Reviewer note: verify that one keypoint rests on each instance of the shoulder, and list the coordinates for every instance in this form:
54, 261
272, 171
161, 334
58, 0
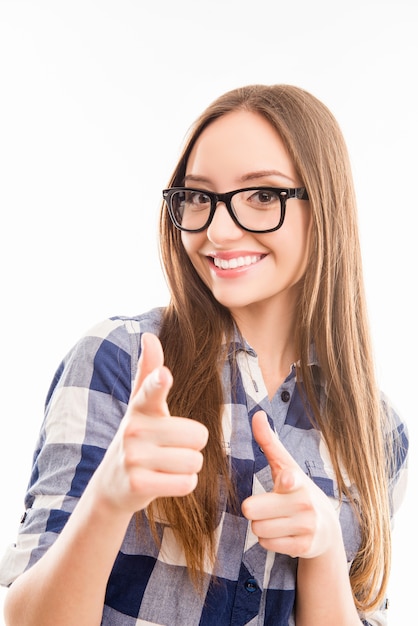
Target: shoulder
397, 447
121, 328
123, 332
394, 426
106, 354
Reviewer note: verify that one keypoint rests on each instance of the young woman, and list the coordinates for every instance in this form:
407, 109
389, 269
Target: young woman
243, 471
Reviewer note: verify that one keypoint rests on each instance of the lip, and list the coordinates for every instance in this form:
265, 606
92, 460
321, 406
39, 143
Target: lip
231, 264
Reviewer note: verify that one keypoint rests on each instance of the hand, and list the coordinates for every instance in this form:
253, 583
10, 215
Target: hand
152, 454
296, 518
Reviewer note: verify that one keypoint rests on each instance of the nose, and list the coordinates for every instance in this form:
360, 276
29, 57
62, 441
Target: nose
222, 227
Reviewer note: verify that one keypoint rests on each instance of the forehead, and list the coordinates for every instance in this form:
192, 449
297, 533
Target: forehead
236, 144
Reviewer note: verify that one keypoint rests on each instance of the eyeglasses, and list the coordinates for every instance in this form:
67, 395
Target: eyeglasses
254, 209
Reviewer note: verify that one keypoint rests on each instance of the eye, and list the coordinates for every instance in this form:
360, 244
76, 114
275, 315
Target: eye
195, 199
263, 198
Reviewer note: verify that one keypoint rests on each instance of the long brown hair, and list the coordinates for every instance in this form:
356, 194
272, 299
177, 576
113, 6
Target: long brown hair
331, 316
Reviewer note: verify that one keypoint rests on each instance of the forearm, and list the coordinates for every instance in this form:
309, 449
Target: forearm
67, 585
152, 454
324, 596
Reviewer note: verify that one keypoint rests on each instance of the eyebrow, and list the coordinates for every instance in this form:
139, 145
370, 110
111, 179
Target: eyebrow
242, 179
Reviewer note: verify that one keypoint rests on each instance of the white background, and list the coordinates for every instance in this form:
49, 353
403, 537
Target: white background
95, 100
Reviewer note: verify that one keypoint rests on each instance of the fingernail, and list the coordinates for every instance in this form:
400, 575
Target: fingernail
156, 377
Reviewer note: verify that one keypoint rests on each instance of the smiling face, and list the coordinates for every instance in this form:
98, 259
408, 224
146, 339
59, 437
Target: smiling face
247, 270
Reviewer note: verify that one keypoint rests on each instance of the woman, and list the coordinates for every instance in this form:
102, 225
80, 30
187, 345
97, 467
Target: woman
172, 500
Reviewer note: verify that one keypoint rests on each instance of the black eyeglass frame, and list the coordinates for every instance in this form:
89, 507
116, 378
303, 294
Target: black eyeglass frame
285, 194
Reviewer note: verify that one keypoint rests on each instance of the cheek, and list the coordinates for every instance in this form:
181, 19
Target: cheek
301, 225
295, 244
306, 229
192, 243
189, 243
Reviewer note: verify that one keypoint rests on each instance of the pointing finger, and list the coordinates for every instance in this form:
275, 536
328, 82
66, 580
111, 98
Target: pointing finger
153, 381
277, 455
152, 356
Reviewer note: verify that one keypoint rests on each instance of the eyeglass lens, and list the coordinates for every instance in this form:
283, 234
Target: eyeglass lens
255, 209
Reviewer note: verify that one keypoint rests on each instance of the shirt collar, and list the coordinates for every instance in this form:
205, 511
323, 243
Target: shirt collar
240, 343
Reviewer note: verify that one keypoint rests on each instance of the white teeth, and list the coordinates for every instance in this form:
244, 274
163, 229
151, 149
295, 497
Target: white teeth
228, 264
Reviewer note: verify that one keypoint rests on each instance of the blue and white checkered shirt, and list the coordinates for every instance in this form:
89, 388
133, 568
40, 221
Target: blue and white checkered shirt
249, 586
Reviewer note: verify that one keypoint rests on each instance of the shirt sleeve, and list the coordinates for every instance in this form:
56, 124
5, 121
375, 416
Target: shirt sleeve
397, 442
379, 619
84, 407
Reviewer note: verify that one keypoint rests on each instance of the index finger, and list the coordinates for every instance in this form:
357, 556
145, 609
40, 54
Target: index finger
152, 356
153, 380
276, 454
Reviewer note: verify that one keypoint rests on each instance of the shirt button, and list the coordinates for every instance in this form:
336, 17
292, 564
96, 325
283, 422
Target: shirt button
285, 396
251, 585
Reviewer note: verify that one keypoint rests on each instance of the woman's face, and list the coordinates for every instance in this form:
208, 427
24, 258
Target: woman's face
241, 149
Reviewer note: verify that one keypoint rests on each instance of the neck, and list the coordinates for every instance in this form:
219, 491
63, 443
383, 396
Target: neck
271, 332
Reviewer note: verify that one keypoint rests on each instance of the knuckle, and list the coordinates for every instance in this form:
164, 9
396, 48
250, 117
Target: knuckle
305, 545
135, 481
135, 455
196, 462
186, 484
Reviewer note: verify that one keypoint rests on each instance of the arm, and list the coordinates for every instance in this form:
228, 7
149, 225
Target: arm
323, 589
152, 455
67, 585
297, 519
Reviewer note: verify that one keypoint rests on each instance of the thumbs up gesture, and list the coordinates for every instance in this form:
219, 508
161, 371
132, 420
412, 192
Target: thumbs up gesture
153, 453
296, 518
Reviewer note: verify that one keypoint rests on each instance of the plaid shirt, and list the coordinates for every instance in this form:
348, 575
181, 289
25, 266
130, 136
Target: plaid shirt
148, 584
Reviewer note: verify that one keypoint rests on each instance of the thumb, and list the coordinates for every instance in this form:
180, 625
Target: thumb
276, 454
152, 356
152, 381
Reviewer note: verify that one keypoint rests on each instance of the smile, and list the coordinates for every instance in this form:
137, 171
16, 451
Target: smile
240, 261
